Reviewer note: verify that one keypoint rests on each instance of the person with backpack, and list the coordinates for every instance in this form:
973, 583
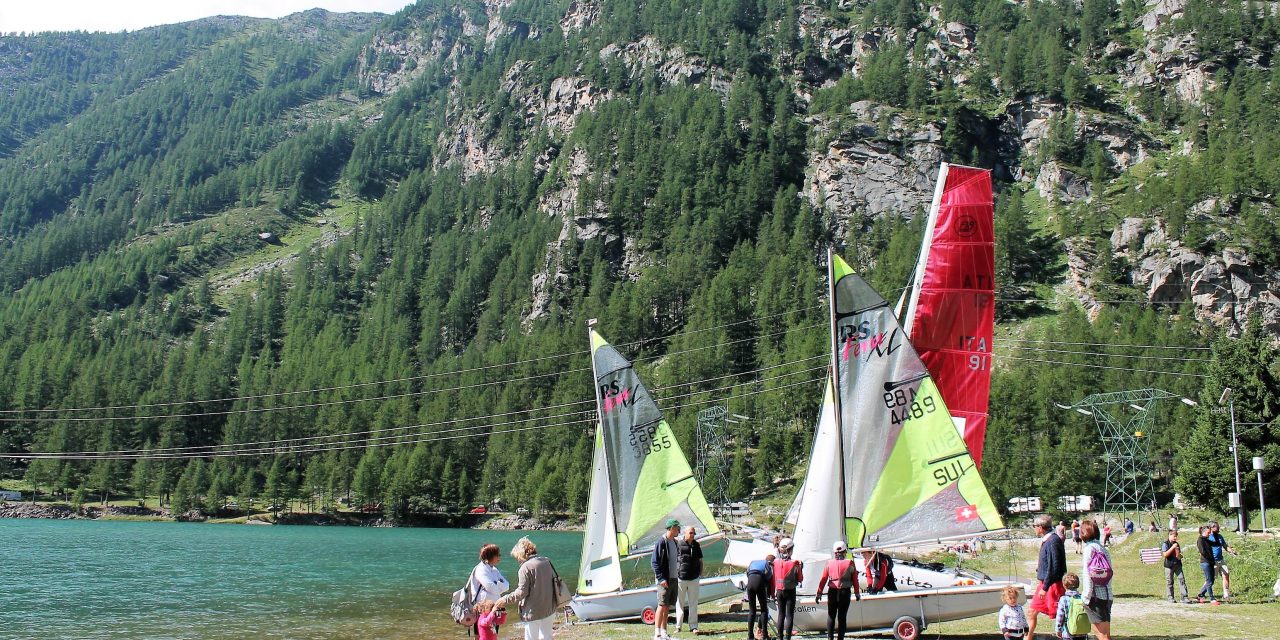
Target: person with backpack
840, 579
1071, 620
787, 576
1096, 581
759, 590
486, 582
1172, 553
535, 591
879, 568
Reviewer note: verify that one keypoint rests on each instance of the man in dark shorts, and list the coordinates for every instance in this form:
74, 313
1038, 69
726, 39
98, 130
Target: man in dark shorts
665, 570
1050, 568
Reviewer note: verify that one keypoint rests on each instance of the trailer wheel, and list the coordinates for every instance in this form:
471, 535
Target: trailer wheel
648, 616
906, 628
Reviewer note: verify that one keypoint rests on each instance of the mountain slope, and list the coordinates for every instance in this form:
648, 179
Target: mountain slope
491, 174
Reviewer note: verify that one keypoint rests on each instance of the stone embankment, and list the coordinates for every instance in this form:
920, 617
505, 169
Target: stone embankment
28, 510
514, 522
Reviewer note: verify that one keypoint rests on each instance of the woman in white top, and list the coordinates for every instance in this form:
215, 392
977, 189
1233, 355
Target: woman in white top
487, 582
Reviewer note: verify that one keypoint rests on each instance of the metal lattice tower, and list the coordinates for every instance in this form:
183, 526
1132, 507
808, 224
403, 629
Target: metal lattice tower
1124, 444
712, 457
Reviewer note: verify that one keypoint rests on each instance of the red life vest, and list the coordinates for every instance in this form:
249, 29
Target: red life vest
835, 572
787, 574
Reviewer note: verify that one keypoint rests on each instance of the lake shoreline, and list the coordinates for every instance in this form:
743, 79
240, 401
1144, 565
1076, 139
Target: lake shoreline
493, 521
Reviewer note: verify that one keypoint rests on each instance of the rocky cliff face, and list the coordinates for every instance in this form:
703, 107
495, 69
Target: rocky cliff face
869, 161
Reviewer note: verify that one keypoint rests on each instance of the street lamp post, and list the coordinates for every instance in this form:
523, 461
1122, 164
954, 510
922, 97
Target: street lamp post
1229, 398
1258, 464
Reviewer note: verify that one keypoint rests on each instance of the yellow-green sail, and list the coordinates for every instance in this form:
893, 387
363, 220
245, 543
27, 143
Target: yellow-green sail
908, 475
649, 478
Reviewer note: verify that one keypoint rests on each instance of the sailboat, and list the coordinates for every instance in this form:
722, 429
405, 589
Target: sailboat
640, 479
951, 316
888, 470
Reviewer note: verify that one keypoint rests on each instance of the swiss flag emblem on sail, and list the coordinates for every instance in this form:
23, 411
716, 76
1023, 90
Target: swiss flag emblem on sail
966, 513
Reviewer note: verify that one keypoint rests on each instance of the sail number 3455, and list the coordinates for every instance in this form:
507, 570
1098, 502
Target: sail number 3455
646, 441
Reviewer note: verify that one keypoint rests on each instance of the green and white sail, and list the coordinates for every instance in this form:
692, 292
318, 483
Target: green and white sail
647, 476
907, 474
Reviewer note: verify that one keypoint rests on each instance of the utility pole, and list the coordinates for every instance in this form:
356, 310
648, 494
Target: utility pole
1229, 398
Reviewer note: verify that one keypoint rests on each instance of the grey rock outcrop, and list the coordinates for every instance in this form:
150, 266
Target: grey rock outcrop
1225, 289
877, 164
1056, 183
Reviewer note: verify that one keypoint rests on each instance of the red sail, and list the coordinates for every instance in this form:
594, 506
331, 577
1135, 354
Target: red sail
952, 314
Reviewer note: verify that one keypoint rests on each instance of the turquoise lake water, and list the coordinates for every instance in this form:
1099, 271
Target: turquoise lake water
88, 579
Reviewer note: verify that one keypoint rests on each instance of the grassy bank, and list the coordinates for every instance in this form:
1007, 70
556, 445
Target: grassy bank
1141, 610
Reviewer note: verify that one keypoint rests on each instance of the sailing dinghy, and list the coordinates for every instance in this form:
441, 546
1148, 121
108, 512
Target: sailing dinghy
640, 479
888, 469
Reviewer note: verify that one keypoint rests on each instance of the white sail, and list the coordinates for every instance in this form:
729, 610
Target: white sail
601, 570
816, 513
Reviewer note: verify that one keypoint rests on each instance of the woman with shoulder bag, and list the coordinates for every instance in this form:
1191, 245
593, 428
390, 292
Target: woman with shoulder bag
535, 592
487, 583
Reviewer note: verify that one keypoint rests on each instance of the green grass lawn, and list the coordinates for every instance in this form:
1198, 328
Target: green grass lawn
1141, 610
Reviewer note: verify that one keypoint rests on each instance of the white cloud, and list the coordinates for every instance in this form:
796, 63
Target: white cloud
30, 16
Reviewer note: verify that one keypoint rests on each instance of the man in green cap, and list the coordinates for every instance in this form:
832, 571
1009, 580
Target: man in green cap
665, 571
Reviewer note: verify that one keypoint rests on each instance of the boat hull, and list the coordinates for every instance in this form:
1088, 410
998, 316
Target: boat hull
632, 603
927, 606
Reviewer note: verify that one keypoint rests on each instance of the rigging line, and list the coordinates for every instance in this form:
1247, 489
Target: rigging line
723, 326
1100, 366
505, 365
1150, 302
729, 343
310, 405
1113, 355
369, 432
4, 412
318, 450
741, 373
56, 456
310, 446
754, 381
195, 448
1105, 344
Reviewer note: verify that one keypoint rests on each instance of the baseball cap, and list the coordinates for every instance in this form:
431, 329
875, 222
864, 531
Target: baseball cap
673, 523
839, 547
786, 543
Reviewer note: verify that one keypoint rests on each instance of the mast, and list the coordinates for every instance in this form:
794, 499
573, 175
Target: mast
835, 378
908, 319
595, 386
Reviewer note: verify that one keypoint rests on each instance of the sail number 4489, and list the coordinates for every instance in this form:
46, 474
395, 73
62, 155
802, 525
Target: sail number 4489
903, 406
646, 441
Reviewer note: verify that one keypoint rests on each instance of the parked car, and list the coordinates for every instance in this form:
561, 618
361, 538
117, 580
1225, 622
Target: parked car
479, 509
522, 511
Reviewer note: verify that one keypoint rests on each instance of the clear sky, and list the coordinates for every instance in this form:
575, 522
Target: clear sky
30, 16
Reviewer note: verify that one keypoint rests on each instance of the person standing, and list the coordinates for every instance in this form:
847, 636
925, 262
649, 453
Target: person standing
666, 570
840, 579
535, 591
787, 576
759, 590
1173, 522
1075, 536
1172, 552
1128, 527
487, 582
1206, 565
1050, 567
1012, 618
1106, 534
689, 551
1220, 550
1095, 587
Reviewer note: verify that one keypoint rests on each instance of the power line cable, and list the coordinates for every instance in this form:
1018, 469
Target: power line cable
1103, 344
1111, 355
1099, 366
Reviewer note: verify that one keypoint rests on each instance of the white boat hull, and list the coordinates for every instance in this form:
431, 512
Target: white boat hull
926, 606
634, 603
